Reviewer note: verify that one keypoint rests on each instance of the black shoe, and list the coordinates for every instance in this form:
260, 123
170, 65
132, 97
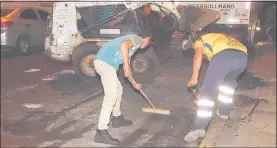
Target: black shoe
120, 121
103, 136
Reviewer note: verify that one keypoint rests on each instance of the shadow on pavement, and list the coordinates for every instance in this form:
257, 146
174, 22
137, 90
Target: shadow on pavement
171, 134
243, 101
248, 82
11, 54
69, 83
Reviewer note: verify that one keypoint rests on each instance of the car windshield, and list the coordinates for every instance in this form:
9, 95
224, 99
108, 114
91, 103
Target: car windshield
5, 12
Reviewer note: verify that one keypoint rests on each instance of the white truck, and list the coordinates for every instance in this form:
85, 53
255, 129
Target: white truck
238, 18
77, 30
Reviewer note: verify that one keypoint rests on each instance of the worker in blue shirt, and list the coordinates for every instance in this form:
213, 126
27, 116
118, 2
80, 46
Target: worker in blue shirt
106, 63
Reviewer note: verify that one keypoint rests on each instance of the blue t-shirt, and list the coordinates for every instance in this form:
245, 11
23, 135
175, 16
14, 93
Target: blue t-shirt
110, 52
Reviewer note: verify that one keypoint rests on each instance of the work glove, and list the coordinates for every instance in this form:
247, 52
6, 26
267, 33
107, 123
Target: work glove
194, 91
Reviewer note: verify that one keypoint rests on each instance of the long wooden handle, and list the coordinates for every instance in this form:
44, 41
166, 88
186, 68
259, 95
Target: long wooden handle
132, 80
149, 101
144, 95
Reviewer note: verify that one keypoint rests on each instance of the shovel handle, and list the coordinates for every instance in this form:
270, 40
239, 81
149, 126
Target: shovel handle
132, 80
152, 105
134, 83
144, 95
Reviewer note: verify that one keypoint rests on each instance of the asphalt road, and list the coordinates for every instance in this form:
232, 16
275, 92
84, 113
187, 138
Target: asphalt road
37, 111
34, 108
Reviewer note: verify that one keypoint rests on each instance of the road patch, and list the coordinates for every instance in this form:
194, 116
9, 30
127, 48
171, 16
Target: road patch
58, 75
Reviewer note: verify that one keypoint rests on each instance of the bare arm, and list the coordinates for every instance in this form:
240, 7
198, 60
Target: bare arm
197, 61
124, 51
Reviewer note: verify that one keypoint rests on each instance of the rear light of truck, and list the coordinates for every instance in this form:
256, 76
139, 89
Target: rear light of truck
5, 25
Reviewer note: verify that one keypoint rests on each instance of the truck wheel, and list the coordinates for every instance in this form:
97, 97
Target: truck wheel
145, 65
83, 57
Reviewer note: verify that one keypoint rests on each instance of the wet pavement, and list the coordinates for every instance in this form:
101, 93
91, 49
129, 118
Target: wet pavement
62, 121
57, 118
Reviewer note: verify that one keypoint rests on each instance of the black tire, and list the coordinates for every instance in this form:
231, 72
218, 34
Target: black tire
145, 65
23, 45
85, 71
141, 76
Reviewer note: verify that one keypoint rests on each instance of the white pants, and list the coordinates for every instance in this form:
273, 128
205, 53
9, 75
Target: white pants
112, 93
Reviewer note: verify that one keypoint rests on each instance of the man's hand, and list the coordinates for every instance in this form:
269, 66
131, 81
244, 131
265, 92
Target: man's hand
192, 82
195, 101
137, 86
197, 61
127, 71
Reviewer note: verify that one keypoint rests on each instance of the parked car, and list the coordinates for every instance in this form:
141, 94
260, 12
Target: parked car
23, 28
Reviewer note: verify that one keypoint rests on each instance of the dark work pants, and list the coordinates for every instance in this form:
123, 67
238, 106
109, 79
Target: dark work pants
221, 79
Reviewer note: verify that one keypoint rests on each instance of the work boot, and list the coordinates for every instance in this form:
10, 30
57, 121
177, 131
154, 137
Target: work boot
103, 136
120, 121
193, 135
225, 117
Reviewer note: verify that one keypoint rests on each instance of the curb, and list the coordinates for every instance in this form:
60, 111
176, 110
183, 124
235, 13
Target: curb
217, 126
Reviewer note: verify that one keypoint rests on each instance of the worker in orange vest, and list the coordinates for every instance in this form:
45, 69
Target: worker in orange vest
228, 60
